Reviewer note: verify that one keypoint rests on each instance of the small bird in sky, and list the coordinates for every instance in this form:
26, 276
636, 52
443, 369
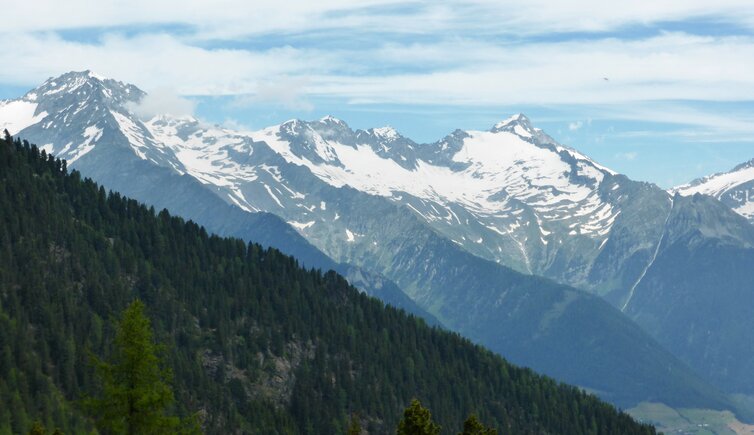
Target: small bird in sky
605, 79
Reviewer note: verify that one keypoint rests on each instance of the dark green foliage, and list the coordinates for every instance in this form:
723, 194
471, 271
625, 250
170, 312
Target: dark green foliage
37, 428
256, 343
472, 426
354, 428
135, 386
417, 420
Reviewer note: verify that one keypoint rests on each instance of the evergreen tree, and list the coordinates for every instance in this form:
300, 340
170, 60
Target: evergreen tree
355, 427
472, 426
37, 428
136, 393
417, 420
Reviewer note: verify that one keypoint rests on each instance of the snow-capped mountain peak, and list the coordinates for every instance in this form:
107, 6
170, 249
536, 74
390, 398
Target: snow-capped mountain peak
68, 82
387, 133
84, 85
507, 194
329, 119
518, 118
514, 181
175, 119
72, 114
60, 98
745, 165
734, 188
518, 124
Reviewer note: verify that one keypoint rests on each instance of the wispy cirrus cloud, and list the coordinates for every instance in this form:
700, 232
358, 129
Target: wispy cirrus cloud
239, 18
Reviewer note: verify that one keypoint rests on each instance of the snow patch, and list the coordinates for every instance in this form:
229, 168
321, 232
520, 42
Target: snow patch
388, 133
17, 115
133, 133
274, 197
350, 237
91, 135
718, 184
508, 121
301, 225
730, 183
521, 131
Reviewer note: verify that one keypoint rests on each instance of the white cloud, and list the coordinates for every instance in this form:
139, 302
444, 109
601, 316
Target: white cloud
285, 91
235, 124
163, 101
667, 67
155, 61
630, 155
573, 126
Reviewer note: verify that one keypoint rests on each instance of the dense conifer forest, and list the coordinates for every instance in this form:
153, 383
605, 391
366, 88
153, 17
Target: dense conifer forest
256, 343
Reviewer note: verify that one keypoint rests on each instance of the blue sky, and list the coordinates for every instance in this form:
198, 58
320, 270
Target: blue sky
661, 91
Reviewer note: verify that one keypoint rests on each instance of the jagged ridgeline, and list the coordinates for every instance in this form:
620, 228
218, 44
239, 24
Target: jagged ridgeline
257, 344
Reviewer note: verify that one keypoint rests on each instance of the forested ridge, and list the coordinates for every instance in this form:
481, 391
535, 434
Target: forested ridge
256, 343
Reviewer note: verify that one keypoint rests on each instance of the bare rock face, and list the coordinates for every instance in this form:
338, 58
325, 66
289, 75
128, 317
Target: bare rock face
278, 375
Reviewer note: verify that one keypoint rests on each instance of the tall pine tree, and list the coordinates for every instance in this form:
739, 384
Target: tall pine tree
135, 385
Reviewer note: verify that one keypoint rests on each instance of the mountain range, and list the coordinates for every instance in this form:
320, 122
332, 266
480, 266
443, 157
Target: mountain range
516, 241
